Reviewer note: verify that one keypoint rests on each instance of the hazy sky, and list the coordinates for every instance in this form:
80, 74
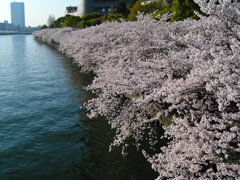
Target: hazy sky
37, 11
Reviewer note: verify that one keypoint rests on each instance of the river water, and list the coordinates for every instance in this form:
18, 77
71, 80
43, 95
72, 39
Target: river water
43, 132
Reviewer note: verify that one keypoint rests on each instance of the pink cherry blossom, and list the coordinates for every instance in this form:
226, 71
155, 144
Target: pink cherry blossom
185, 75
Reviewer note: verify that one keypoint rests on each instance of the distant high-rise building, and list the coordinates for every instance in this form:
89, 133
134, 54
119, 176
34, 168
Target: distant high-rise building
18, 14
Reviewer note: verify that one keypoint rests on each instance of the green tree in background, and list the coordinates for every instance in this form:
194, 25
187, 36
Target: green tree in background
90, 22
44, 26
78, 22
71, 21
91, 16
114, 17
184, 9
181, 10
59, 22
147, 8
91, 19
122, 8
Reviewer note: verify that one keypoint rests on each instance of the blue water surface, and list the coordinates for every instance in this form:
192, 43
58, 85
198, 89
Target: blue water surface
43, 132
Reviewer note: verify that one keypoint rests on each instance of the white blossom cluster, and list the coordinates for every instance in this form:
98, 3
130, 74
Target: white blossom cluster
187, 72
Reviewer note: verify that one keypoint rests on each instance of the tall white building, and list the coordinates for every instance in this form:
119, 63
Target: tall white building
18, 14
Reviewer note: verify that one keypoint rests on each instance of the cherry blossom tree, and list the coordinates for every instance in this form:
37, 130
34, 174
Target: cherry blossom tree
184, 75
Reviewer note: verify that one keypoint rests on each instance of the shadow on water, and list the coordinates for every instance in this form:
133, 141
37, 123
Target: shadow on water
112, 165
97, 162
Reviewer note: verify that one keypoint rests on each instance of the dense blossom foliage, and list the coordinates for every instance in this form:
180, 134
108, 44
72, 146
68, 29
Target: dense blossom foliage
187, 72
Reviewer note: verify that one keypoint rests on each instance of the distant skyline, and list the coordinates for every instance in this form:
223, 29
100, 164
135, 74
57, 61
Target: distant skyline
37, 12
